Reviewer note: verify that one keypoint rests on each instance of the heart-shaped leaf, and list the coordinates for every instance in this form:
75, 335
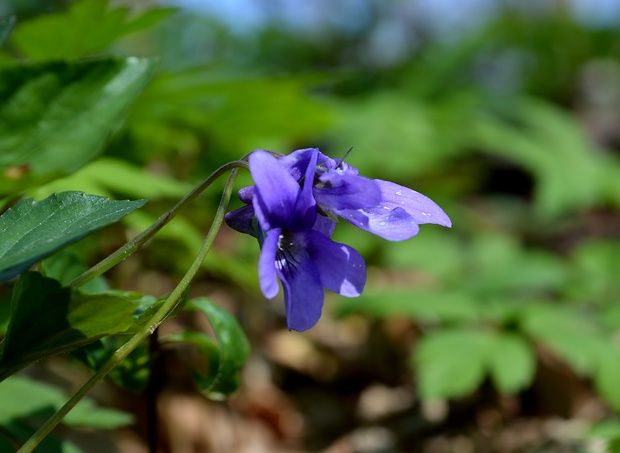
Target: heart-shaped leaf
32, 230
225, 359
55, 116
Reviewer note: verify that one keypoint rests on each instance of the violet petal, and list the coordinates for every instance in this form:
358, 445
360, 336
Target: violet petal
341, 268
393, 225
267, 264
242, 220
275, 191
338, 191
420, 207
303, 291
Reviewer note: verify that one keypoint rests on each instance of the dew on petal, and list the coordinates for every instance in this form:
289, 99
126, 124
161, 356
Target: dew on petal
399, 193
382, 223
386, 207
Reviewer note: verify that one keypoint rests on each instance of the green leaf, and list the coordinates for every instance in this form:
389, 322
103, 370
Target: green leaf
107, 176
88, 27
566, 333
607, 377
608, 430
5, 312
54, 117
226, 360
132, 373
494, 258
6, 25
88, 415
551, 146
421, 305
452, 363
22, 431
440, 254
67, 264
595, 272
23, 397
512, 363
404, 126
199, 101
47, 319
32, 230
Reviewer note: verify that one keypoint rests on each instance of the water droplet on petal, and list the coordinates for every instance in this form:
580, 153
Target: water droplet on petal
426, 213
386, 207
399, 193
402, 202
382, 223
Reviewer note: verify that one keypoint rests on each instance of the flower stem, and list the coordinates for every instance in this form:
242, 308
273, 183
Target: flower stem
159, 316
137, 242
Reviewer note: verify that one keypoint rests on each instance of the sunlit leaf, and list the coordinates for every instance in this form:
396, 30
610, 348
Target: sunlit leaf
47, 319
512, 363
23, 397
88, 27
609, 430
32, 230
551, 146
225, 107
452, 363
107, 176
607, 377
568, 334
503, 265
133, 372
54, 117
420, 305
595, 268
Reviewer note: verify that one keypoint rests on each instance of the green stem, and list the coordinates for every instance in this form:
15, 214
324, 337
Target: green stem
137, 242
159, 316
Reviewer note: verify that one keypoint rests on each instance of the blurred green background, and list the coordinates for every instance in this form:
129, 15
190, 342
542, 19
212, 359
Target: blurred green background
500, 335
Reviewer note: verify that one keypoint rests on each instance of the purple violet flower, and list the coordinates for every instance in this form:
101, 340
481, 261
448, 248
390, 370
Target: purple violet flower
295, 243
383, 208
292, 209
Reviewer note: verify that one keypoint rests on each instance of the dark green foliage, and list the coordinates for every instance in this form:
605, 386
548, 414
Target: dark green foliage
33, 230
